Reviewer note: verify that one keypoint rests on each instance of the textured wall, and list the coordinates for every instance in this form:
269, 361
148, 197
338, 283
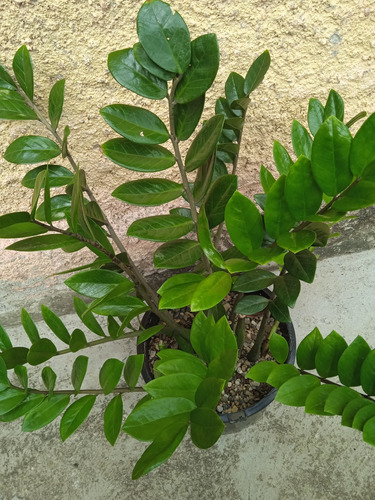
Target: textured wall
315, 46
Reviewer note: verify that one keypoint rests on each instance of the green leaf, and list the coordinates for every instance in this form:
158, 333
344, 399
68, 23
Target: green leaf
363, 415
31, 149
301, 180
131, 75
282, 158
56, 102
136, 124
244, 223
5, 342
234, 88
59, 206
6, 81
30, 402
19, 370
202, 69
148, 192
322, 233
239, 265
328, 355
255, 280
21, 230
186, 117
39, 243
138, 157
295, 390
36, 194
277, 216
251, 304
279, 311
368, 374
113, 419
307, 350
257, 72
120, 306
301, 140
279, 348
180, 385
204, 144
110, 374
75, 415
186, 364
23, 70
96, 283
359, 196
4, 382
49, 378
296, 241
209, 391
14, 356
143, 59
261, 371
316, 400
45, 413
339, 398
334, 106
217, 198
164, 36
351, 409
206, 427
369, 431
29, 326
211, 291
41, 351
161, 448
350, 362
330, 157
203, 179
79, 370
132, 369
205, 240
87, 318
55, 324
362, 153
177, 254
10, 398
287, 289
160, 227
64, 146
148, 333
14, 107
301, 265
47, 198
281, 373
77, 340
178, 290
315, 115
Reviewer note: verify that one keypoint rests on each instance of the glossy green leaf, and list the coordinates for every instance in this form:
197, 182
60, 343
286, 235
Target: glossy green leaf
87, 318
301, 180
64, 146
55, 324
138, 157
316, 400
39, 243
301, 265
369, 431
45, 413
146, 334
338, 399
279, 311
132, 369
204, 144
279, 348
77, 340
164, 36
281, 373
56, 102
361, 194
202, 69
328, 355
14, 356
182, 385
234, 88
110, 374
6, 81
217, 198
186, 117
287, 289
29, 326
36, 194
211, 291
295, 390
330, 157
10, 398
31, 149
75, 415
14, 107
251, 304
282, 158
301, 140
30, 402
206, 427
23, 70
334, 106
113, 419
184, 364
148, 192
368, 374
41, 351
21, 230
4, 382
144, 60
96, 283
208, 393
351, 410
121, 306
362, 415
162, 447
257, 72
136, 124
177, 254
79, 370
244, 223
239, 265
5, 342
350, 362
252, 281
160, 227
277, 216
178, 291
203, 179
296, 241
362, 153
49, 378
59, 206
205, 240
307, 349
131, 75
315, 115
47, 198
261, 371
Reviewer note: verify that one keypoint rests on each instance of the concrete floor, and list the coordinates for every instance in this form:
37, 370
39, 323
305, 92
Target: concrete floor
285, 455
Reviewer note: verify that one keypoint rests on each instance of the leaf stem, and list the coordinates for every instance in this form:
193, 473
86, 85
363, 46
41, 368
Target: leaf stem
117, 390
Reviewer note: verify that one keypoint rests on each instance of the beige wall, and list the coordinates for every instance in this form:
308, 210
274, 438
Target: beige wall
315, 45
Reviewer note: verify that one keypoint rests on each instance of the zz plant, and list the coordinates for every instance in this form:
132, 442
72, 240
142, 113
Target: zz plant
330, 173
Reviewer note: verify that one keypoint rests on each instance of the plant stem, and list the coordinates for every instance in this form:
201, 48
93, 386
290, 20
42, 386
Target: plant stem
117, 390
255, 351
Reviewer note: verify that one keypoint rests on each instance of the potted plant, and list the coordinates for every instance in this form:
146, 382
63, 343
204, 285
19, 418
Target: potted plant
331, 174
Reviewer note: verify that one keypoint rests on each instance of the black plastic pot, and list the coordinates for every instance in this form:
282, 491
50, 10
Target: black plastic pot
248, 415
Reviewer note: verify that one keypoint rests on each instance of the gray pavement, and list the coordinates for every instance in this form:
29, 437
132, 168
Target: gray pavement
284, 455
